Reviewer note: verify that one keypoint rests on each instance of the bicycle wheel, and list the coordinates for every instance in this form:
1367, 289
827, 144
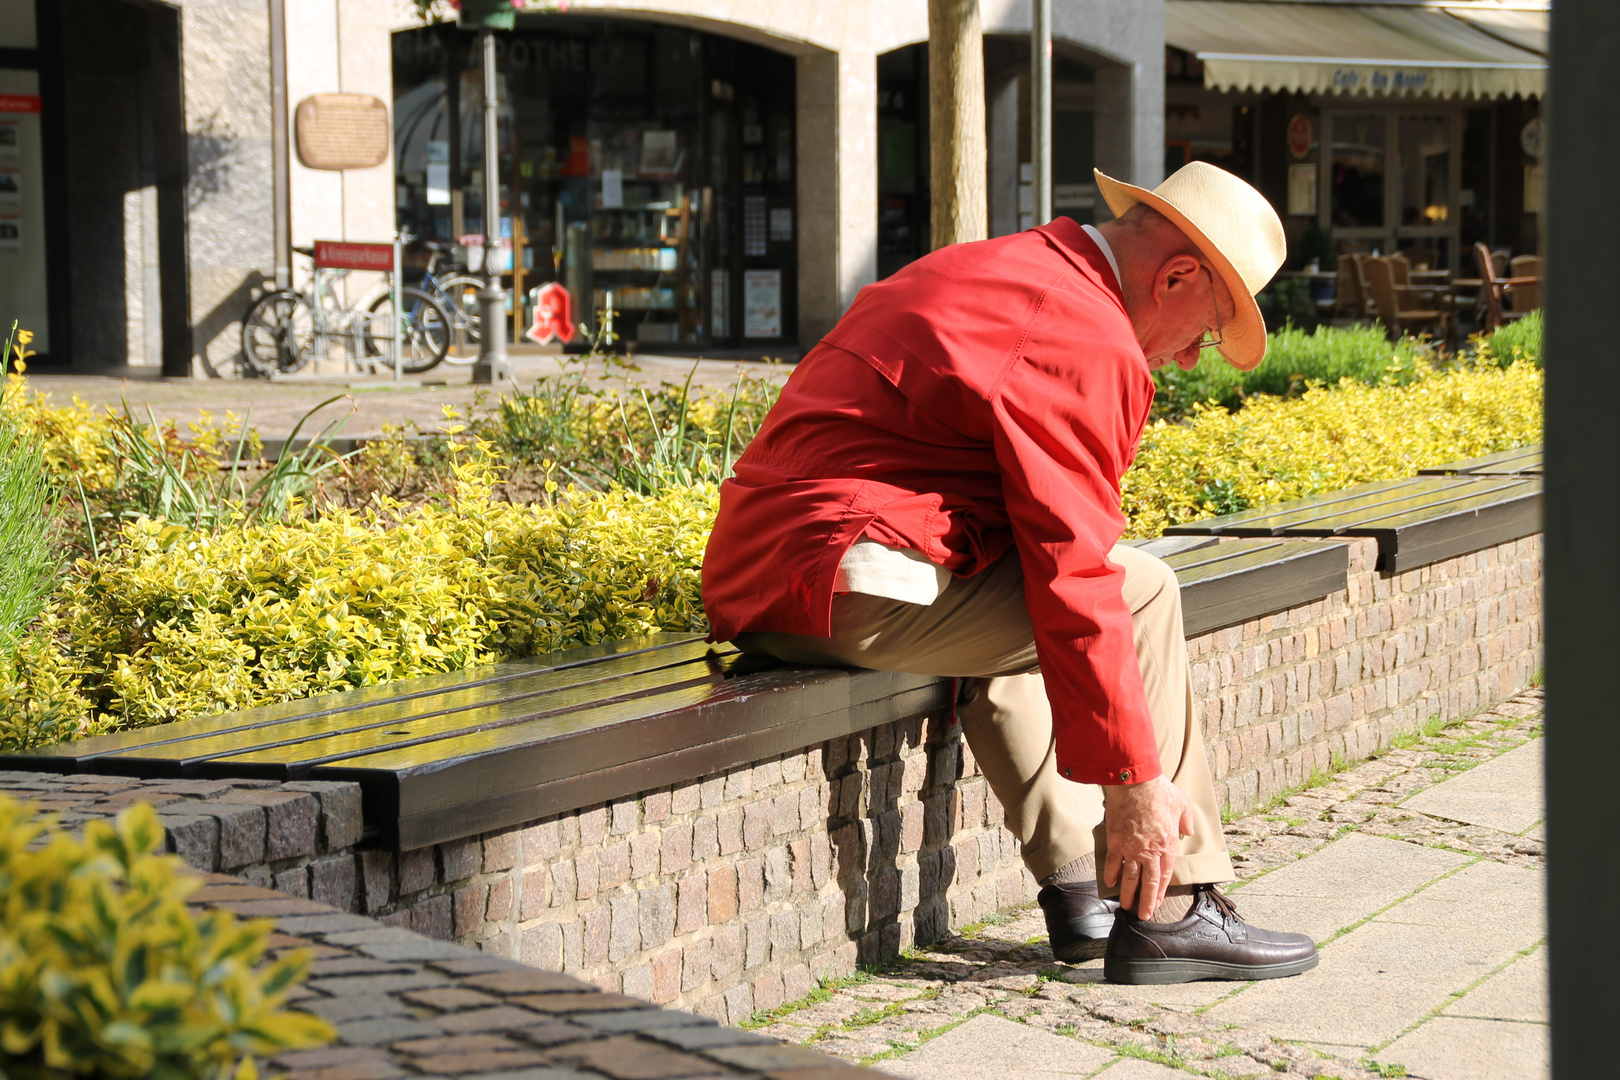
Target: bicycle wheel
461, 292
278, 333
427, 331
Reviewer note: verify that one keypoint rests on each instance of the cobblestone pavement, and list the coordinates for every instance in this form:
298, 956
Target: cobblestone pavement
375, 400
1419, 873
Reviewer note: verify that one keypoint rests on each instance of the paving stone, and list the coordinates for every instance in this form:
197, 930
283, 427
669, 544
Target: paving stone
336, 923
1340, 885
498, 1018
1503, 793
241, 831
354, 1007
194, 837
381, 1030
641, 1020
484, 1061
449, 998
769, 1057
1518, 992
355, 965
480, 965
704, 1038
990, 1048
517, 979
1456, 1048
578, 1003
334, 1057
1137, 1069
398, 944
625, 1058
555, 1033
379, 984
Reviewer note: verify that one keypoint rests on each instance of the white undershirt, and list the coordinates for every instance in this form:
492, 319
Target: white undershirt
895, 573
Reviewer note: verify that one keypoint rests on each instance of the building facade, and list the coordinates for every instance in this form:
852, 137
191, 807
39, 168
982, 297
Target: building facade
158, 186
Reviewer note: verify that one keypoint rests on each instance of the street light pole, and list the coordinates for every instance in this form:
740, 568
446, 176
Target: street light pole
1040, 108
491, 366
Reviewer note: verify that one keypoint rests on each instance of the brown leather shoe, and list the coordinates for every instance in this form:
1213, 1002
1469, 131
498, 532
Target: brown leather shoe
1077, 920
1210, 943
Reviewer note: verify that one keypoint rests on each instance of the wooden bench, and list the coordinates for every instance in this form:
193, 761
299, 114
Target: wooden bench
450, 756
1525, 461
1416, 522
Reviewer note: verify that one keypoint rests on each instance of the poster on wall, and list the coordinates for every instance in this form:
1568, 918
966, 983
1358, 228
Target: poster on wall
1302, 189
11, 231
762, 303
782, 225
10, 183
9, 139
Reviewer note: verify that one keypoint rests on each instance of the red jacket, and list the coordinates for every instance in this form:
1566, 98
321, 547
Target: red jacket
987, 395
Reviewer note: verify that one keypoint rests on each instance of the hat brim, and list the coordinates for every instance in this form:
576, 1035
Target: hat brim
1243, 339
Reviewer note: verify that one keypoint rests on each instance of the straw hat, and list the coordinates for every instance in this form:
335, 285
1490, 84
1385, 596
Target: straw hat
1233, 225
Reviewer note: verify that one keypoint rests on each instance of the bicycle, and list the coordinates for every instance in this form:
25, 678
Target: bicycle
285, 328
457, 292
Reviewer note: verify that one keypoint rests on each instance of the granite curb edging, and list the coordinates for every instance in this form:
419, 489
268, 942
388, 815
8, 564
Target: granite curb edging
408, 1005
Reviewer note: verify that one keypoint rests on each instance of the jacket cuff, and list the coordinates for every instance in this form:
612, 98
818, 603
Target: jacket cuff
1130, 773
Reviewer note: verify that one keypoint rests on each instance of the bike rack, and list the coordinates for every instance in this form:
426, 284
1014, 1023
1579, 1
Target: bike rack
384, 257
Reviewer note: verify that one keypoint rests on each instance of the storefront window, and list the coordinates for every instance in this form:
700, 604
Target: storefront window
1358, 166
646, 163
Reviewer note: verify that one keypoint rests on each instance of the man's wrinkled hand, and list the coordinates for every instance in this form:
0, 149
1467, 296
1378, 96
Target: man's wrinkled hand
1145, 825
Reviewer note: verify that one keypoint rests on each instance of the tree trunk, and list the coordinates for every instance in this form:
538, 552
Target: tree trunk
956, 122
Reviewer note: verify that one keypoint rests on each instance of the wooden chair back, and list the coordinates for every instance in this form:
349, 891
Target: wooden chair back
1490, 291
1378, 273
1526, 296
1401, 268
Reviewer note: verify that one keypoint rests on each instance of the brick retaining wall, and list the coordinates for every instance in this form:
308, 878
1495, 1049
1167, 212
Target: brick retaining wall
733, 893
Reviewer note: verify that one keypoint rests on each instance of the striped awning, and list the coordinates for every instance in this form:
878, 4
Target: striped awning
1453, 50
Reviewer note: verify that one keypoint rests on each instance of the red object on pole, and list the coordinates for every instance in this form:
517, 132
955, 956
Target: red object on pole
553, 315
341, 255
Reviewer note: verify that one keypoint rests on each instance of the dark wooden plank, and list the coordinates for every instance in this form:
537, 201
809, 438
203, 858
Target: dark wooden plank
1274, 520
1521, 460
414, 830
1257, 580
1418, 540
1165, 546
563, 711
129, 750
509, 775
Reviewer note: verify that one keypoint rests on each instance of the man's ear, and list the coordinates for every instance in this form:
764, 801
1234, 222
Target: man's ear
1176, 274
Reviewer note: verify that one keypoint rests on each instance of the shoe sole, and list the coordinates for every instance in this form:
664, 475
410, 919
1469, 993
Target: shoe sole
1145, 972
1078, 952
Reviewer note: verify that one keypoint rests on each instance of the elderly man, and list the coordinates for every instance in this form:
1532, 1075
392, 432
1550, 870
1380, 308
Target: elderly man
937, 492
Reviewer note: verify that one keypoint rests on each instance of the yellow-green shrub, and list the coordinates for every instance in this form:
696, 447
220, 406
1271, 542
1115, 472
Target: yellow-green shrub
1274, 449
106, 972
175, 622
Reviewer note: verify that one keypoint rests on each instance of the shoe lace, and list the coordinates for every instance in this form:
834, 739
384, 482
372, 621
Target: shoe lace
1222, 904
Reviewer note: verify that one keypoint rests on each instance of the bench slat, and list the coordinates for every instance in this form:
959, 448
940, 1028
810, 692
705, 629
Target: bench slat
1240, 580
507, 775
630, 695
1318, 513
139, 751
1415, 523
1522, 461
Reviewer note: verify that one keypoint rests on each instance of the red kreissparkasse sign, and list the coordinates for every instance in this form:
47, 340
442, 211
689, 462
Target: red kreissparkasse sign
19, 103
343, 255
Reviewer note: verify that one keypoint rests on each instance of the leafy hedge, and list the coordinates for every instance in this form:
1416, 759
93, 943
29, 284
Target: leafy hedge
176, 622
1274, 449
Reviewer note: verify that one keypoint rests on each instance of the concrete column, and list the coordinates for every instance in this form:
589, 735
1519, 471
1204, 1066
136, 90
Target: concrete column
1002, 107
1130, 121
837, 133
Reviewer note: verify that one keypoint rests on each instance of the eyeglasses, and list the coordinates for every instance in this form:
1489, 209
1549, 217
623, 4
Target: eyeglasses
1212, 338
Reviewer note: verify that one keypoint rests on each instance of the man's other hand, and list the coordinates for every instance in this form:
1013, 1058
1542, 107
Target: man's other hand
1145, 825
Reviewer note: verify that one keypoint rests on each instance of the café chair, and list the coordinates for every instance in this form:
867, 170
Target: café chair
1496, 291
1396, 305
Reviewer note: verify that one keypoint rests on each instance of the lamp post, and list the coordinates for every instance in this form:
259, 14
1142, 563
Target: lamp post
1040, 108
487, 16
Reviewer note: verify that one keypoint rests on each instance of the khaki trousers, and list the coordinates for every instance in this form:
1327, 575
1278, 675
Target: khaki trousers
979, 630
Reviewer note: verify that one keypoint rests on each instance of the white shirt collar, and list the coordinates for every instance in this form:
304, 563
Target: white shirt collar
1108, 252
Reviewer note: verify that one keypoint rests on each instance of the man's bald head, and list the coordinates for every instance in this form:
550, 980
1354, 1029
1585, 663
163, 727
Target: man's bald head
1173, 294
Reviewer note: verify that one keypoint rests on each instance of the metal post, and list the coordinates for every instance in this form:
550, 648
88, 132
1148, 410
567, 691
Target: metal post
1040, 108
491, 365
394, 277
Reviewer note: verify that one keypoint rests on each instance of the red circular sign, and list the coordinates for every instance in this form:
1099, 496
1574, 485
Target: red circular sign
1299, 135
